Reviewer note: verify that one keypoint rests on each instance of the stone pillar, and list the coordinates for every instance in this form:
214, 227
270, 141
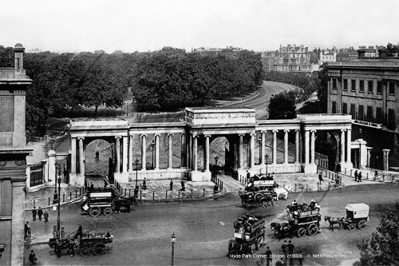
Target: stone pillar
262, 149
252, 150
296, 146
143, 152
306, 147
16, 224
183, 150
207, 152
124, 154
170, 151
81, 157
190, 152
342, 147
130, 154
118, 154
386, 159
195, 151
368, 156
275, 146
286, 146
51, 166
156, 151
73, 156
241, 151
348, 147
312, 146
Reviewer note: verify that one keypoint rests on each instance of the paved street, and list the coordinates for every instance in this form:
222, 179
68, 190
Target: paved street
203, 229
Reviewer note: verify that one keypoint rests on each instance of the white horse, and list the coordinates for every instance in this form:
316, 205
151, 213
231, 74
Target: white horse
282, 192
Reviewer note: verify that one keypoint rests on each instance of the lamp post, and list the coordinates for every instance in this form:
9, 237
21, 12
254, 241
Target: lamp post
216, 165
59, 201
173, 240
267, 157
137, 168
152, 147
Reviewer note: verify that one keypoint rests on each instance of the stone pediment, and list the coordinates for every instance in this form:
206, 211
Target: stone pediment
219, 116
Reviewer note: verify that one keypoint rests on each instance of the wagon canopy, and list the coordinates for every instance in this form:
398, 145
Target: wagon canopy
360, 210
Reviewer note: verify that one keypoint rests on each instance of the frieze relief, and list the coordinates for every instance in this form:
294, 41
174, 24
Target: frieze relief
224, 116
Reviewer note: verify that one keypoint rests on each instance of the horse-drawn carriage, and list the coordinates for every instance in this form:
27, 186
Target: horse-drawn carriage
259, 190
357, 215
90, 242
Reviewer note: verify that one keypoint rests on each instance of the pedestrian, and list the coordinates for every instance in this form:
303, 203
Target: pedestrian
71, 247
291, 252
356, 175
32, 258
320, 178
34, 212
182, 186
337, 181
300, 258
284, 247
91, 186
40, 213
359, 178
171, 184
79, 232
26, 229
144, 184
45, 215
97, 154
268, 256
136, 191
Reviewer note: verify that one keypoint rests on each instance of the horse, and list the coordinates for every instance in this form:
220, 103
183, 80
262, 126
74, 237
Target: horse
281, 192
281, 229
334, 220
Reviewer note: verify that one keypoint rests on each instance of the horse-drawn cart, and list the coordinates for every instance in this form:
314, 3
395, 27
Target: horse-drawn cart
357, 215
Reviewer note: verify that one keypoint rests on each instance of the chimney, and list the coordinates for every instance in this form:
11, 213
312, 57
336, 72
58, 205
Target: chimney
19, 57
361, 53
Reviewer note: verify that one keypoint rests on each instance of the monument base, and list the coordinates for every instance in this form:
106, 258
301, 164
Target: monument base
310, 168
197, 176
76, 180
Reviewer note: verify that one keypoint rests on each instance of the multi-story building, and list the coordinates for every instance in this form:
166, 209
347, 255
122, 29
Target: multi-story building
327, 56
368, 89
346, 54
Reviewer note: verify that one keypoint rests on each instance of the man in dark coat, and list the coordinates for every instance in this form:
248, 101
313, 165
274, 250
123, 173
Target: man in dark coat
268, 256
71, 247
320, 178
79, 232
32, 258
182, 186
144, 184
27, 229
171, 184
34, 212
291, 251
45, 215
359, 177
284, 248
40, 213
356, 175
136, 191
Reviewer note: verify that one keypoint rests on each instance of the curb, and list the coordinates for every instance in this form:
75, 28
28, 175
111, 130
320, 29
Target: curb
63, 203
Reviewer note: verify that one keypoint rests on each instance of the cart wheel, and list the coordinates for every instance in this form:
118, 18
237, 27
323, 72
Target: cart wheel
99, 249
85, 251
253, 248
57, 251
259, 198
351, 226
362, 224
301, 232
260, 242
312, 229
95, 211
107, 211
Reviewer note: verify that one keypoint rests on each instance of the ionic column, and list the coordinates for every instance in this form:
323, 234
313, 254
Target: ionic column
252, 150
306, 147
275, 146
130, 153
342, 146
296, 146
262, 149
312, 146
156, 151
207, 152
73, 156
143, 152
190, 152
286, 146
81, 157
241, 151
348, 145
182, 150
195, 155
170, 153
368, 156
124, 154
118, 154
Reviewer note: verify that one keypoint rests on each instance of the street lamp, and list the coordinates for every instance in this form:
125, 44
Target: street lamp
173, 240
267, 158
58, 169
216, 163
137, 168
152, 147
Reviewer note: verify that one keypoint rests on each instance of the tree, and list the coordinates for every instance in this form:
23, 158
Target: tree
282, 106
383, 247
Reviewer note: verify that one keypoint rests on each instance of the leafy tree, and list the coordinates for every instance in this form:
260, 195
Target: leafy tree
282, 106
383, 247
6, 56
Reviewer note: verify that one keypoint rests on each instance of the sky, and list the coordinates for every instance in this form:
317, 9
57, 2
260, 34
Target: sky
148, 25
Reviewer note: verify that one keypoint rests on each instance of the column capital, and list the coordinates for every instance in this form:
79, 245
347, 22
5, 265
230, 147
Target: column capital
313, 130
118, 137
286, 130
207, 135
297, 130
182, 134
170, 134
157, 134
263, 131
80, 138
343, 130
275, 130
252, 134
241, 135
196, 136
143, 135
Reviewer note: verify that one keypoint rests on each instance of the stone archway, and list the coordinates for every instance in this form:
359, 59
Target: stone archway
98, 166
219, 146
327, 143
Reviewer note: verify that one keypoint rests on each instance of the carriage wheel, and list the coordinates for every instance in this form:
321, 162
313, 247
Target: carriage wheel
351, 226
107, 211
260, 242
259, 198
301, 232
362, 224
253, 248
312, 229
95, 211
99, 249
85, 251
57, 251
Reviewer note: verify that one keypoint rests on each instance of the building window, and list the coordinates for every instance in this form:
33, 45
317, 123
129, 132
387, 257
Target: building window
334, 84
344, 108
379, 115
353, 85
345, 84
370, 116
392, 88
361, 113
361, 86
353, 111
370, 87
334, 107
391, 119
379, 87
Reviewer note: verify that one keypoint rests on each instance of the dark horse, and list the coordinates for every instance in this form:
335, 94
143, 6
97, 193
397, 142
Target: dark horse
282, 229
334, 220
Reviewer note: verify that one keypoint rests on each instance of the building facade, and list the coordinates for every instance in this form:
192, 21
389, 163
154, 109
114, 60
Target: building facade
13, 152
